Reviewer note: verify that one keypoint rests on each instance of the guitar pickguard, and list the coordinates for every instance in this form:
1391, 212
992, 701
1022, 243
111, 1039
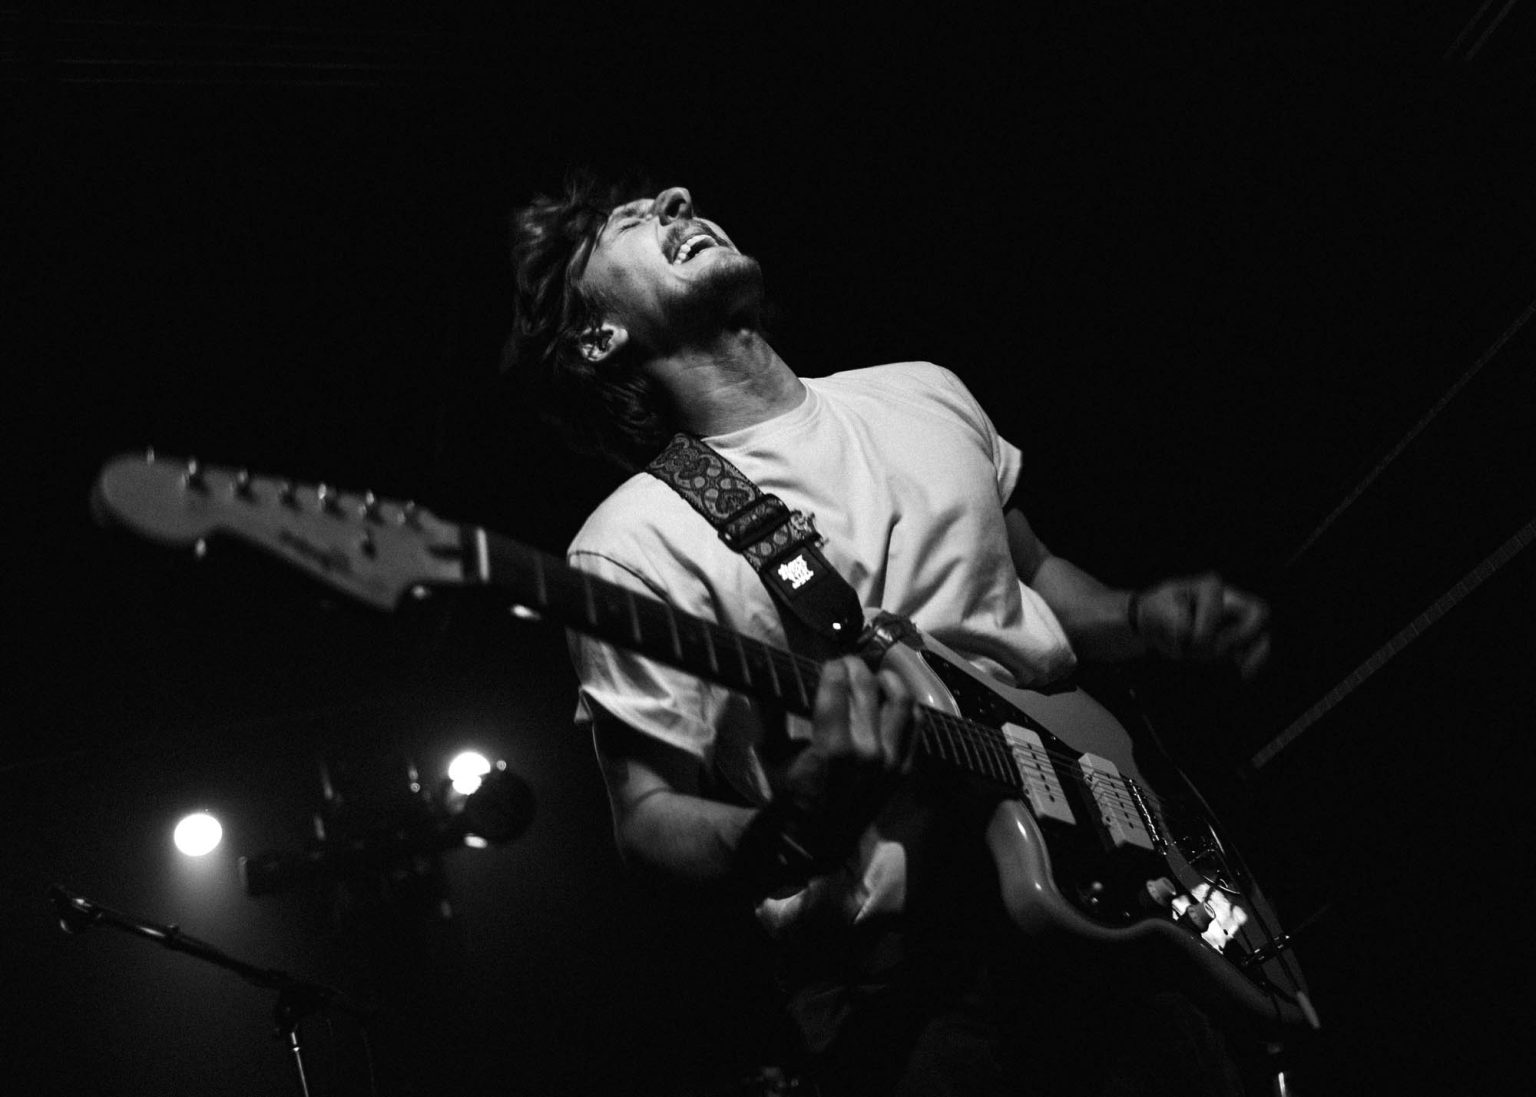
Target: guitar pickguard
1120, 854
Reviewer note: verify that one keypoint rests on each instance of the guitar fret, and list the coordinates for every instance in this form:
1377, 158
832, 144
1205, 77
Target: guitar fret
934, 740
586, 591
690, 648
765, 672
773, 672
962, 745
805, 697
943, 739
971, 746
993, 748
972, 751
976, 746
957, 745
677, 643
741, 654
634, 616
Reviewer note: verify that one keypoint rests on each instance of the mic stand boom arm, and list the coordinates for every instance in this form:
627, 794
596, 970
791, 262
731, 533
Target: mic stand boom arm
296, 998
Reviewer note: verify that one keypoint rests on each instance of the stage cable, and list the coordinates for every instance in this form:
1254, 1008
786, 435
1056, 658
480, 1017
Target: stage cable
1405, 636
1413, 433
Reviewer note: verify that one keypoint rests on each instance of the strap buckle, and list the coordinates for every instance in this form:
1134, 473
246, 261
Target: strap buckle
754, 522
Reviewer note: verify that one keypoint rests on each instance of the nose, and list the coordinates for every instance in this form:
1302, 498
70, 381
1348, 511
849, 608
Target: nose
673, 204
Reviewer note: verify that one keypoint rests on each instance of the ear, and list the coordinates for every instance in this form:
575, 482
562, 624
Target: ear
600, 342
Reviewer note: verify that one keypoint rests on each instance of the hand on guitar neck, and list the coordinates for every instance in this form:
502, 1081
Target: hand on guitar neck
862, 743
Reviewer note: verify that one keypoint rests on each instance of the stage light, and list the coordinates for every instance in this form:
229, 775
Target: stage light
466, 771
198, 834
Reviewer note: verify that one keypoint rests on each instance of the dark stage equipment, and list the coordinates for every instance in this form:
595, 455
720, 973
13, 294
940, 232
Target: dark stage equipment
380, 822
296, 998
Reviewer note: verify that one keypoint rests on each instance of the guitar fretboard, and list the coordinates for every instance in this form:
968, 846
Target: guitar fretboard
646, 625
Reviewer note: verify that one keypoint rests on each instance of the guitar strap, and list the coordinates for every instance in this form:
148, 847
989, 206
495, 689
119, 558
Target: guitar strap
780, 544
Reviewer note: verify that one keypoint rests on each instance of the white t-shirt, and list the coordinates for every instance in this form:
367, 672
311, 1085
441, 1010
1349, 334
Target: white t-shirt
905, 477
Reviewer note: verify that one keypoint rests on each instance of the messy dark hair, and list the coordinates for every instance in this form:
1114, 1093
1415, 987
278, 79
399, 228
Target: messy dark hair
608, 408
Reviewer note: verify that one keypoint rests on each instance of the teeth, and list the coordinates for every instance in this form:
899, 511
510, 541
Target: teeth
691, 245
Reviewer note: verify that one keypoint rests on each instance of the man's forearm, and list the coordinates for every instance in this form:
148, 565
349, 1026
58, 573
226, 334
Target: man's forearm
1093, 615
682, 837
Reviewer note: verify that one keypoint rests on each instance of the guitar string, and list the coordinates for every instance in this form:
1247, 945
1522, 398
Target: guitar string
987, 742
992, 744
990, 748
1124, 791
986, 749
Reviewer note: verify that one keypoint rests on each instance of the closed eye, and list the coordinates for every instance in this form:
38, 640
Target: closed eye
616, 228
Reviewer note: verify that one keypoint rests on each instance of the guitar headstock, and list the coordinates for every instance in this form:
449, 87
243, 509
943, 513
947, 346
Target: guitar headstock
373, 549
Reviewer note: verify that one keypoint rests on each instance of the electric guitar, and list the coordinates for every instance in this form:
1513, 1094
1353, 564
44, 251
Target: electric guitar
1084, 844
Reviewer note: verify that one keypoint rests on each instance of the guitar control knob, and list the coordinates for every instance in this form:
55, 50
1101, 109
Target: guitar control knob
1196, 916
1160, 892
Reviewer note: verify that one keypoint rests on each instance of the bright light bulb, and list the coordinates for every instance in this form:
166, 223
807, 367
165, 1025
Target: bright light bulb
466, 770
198, 834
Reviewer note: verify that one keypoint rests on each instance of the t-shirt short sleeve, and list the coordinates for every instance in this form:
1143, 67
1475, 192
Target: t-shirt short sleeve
681, 710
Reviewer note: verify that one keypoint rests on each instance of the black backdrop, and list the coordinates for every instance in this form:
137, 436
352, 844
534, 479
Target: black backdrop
1209, 269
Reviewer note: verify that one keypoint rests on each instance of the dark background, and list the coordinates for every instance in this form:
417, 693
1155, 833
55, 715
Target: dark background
1212, 267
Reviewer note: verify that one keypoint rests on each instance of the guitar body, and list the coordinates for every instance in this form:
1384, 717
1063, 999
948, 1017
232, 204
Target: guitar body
1074, 882
1086, 847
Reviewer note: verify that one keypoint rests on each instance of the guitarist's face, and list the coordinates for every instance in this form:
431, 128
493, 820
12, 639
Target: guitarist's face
670, 278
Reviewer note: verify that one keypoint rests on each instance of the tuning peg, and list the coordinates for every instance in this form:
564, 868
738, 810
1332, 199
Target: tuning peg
149, 455
371, 509
367, 545
330, 501
288, 495
243, 484
411, 515
192, 477
199, 548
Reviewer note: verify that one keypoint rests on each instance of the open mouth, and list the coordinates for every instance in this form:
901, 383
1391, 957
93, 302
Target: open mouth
692, 246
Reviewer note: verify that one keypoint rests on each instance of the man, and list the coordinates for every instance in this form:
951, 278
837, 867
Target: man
637, 319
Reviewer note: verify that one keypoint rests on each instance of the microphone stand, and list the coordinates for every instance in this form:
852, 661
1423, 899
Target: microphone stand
296, 999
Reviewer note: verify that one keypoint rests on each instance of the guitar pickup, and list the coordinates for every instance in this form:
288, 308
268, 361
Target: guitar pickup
1042, 786
1120, 819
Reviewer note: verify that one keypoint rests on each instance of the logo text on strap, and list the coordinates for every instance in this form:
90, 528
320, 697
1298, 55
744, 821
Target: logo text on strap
796, 572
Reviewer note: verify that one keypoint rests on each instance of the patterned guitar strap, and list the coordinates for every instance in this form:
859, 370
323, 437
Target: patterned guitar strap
781, 545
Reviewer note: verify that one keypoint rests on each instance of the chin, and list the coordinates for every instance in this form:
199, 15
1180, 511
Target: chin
729, 293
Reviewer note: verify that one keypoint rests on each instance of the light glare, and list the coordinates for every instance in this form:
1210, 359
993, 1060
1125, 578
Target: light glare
466, 770
198, 834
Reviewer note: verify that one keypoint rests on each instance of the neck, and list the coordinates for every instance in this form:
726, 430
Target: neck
735, 381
